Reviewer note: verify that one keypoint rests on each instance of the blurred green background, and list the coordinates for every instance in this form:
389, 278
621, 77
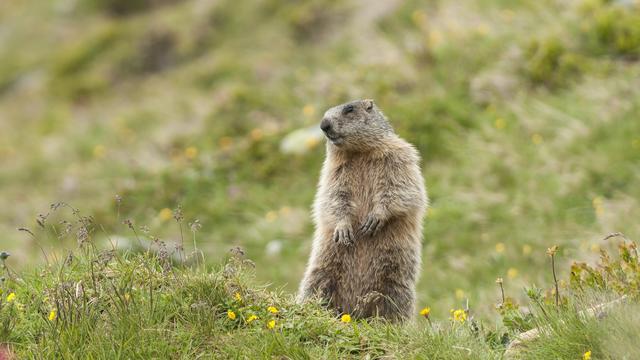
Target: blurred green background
525, 113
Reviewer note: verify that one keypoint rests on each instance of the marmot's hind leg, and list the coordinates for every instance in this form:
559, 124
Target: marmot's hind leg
393, 302
321, 283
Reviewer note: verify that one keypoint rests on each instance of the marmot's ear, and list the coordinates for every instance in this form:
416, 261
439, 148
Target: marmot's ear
368, 104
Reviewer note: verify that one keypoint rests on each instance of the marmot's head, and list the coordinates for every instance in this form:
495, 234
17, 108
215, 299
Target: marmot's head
356, 125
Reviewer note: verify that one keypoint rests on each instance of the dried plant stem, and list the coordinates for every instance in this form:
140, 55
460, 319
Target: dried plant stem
555, 279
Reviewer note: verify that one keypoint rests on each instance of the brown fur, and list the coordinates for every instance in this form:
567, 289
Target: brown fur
368, 212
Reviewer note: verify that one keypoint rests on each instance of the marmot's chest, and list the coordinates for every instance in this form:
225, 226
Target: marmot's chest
360, 178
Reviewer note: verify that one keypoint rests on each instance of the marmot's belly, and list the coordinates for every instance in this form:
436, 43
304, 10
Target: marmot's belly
377, 264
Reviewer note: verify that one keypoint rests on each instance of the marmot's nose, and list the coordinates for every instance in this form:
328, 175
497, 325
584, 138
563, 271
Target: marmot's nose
325, 125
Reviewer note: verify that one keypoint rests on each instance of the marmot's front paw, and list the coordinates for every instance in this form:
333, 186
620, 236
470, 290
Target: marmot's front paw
343, 235
371, 225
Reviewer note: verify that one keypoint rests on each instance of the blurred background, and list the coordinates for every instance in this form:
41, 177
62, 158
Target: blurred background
525, 113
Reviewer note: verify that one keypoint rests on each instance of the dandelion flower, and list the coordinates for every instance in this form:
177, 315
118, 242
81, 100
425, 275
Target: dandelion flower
11, 297
308, 110
191, 152
256, 134
271, 324
231, 315
99, 151
586, 355
536, 139
237, 297
165, 214
272, 309
425, 311
52, 315
458, 315
346, 318
251, 318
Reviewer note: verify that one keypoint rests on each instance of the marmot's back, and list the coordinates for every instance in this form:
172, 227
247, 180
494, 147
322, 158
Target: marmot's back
368, 215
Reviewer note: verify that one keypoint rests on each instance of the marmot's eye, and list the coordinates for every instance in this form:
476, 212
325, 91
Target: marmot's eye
347, 109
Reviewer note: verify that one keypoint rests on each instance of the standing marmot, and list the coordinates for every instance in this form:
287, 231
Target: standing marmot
368, 213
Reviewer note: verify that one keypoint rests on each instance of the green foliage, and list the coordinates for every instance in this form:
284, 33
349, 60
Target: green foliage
548, 62
612, 29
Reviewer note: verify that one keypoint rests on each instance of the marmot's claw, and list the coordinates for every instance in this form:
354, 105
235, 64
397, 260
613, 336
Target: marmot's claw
343, 236
371, 226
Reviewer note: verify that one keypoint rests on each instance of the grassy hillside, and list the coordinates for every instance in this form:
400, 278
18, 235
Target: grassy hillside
525, 113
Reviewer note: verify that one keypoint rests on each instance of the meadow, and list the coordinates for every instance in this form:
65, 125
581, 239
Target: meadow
181, 129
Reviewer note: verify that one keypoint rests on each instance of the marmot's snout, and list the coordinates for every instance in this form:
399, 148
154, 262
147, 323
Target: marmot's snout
329, 130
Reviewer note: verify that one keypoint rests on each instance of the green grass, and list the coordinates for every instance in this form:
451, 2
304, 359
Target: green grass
525, 114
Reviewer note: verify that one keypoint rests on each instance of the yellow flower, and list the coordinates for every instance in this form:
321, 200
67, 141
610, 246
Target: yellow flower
271, 216
459, 315
272, 309
459, 294
231, 315
271, 324
512, 273
256, 134
191, 152
237, 296
346, 318
587, 355
225, 143
425, 311
52, 315
99, 151
11, 297
536, 139
500, 248
251, 318
500, 123
308, 110
165, 214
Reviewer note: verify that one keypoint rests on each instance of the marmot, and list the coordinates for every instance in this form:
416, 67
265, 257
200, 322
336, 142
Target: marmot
368, 212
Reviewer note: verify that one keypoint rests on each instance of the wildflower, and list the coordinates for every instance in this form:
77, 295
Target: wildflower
586, 355
552, 250
271, 324
225, 143
271, 216
500, 248
346, 318
52, 315
165, 214
191, 152
308, 110
272, 309
459, 294
11, 297
458, 315
256, 134
425, 311
99, 151
536, 139
419, 17
231, 315
512, 273
499, 281
251, 318
500, 123
237, 296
